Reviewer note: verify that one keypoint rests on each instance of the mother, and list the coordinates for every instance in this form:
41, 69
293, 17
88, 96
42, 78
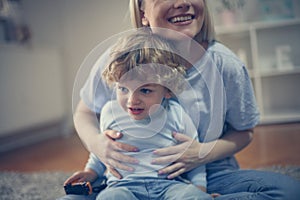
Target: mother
191, 17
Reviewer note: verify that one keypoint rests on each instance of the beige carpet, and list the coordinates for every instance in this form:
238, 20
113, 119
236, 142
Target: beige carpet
49, 185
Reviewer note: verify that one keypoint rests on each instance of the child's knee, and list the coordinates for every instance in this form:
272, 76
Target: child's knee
116, 194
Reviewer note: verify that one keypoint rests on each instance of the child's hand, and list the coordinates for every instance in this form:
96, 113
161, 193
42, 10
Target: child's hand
82, 176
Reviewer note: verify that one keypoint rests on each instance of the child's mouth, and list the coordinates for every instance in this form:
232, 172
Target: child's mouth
135, 111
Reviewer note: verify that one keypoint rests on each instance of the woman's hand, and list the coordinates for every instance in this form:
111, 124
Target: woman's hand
104, 146
108, 150
82, 176
186, 155
190, 153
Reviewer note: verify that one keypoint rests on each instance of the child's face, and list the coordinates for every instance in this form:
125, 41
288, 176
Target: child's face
184, 16
139, 99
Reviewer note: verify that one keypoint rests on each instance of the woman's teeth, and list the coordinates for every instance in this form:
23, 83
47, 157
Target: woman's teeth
180, 19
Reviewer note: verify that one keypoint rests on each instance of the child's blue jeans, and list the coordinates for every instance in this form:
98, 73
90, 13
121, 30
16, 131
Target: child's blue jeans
241, 184
151, 188
146, 189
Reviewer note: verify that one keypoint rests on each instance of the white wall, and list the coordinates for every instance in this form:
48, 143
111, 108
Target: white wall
63, 33
32, 92
87, 24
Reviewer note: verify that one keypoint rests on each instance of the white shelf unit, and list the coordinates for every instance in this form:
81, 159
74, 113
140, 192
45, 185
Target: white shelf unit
277, 89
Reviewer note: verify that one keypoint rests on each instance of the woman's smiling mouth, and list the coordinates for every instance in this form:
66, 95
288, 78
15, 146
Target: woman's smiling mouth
178, 19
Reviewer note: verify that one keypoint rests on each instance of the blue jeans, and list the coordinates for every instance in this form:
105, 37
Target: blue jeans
78, 197
146, 189
252, 184
149, 188
233, 184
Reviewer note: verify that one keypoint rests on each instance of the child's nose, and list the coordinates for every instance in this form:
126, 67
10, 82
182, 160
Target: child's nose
133, 98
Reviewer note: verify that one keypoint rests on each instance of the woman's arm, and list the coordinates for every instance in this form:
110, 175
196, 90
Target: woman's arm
229, 144
104, 145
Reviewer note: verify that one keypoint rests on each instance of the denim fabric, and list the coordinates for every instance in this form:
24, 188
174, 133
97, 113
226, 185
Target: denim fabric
78, 197
148, 189
252, 184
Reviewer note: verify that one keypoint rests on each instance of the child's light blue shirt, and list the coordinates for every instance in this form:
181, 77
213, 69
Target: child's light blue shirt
147, 135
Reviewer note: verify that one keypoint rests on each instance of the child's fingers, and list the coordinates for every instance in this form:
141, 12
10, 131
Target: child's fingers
75, 177
82, 179
69, 181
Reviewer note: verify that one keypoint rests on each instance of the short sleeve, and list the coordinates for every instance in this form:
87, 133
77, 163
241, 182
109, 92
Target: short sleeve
242, 111
95, 92
241, 108
96, 165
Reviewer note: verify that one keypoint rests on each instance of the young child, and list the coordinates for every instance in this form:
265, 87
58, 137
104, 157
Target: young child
146, 75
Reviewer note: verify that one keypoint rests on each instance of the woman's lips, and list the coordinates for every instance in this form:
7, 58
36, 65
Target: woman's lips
181, 19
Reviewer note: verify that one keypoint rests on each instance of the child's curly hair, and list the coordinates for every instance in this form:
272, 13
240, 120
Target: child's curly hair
147, 57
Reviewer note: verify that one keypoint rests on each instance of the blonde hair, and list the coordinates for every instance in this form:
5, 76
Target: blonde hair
146, 57
206, 34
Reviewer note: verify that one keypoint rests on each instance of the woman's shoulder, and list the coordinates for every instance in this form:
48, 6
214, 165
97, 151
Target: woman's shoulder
217, 49
224, 58
97, 61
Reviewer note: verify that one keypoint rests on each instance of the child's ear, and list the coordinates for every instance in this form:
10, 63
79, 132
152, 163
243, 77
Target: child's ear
168, 95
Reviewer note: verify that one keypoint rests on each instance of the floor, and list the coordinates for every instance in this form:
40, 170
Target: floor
272, 145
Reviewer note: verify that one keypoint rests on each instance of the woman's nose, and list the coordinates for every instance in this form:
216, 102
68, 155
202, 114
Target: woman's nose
182, 4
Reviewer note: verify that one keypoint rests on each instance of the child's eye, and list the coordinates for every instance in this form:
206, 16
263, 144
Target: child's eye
123, 89
145, 91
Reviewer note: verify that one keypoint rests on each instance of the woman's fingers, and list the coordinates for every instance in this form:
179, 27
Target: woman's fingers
169, 150
125, 147
112, 151
175, 168
113, 134
177, 173
170, 154
118, 160
165, 159
181, 137
114, 172
116, 164
119, 156
121, 146
181, 157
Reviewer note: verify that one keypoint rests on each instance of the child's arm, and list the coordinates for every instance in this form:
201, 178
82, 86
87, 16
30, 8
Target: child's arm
93, 170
